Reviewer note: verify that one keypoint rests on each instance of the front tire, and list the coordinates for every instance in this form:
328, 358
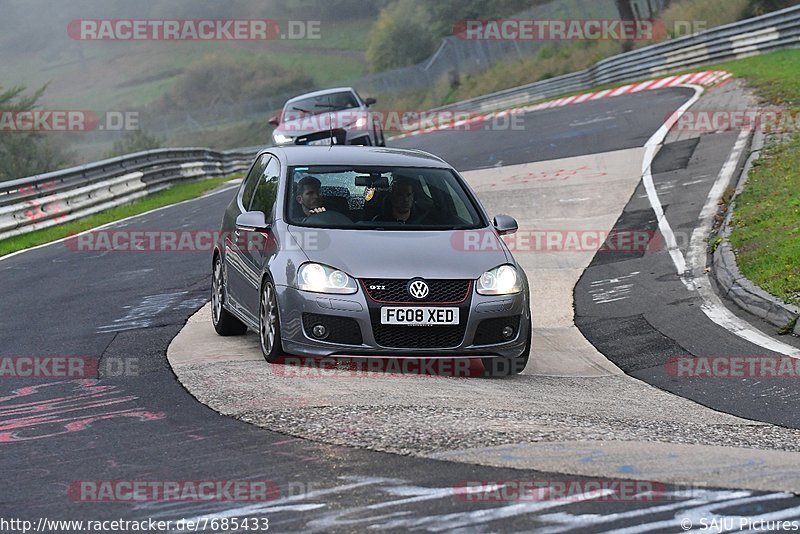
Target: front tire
269, 328
499, 367
224, 322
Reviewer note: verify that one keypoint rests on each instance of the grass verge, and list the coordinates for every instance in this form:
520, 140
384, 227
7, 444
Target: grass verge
766, 219
766, 222
176, 193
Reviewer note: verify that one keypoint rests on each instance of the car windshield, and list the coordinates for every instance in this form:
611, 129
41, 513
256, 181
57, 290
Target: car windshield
321, 104
380, 198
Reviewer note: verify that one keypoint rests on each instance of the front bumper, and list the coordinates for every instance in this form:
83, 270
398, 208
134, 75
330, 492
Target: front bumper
359, 308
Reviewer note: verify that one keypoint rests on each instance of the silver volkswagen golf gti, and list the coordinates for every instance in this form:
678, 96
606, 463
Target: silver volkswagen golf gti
366, 252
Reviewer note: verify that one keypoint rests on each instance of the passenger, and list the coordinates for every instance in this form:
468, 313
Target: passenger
309, 196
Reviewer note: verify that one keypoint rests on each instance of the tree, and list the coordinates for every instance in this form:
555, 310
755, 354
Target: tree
408, 31
445, 14
401, 37
625, 10
626, 13
760, 7
26, 153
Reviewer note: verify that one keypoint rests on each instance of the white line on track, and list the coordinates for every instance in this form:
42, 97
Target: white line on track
694, 276
712, 304
652, 147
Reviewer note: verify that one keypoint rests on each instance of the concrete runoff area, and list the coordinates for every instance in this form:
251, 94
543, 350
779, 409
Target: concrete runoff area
569, 401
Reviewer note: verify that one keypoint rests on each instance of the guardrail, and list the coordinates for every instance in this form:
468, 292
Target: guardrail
779, 29
50, 199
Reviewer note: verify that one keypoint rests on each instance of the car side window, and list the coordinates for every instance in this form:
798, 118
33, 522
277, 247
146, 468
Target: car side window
250, 183
267, 189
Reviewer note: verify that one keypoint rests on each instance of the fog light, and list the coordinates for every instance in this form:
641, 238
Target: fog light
319, 331
508, 332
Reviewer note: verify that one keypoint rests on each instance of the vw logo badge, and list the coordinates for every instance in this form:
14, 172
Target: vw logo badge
418, 289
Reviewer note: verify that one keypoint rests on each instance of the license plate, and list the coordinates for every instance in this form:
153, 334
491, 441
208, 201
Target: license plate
413, 316
328, 141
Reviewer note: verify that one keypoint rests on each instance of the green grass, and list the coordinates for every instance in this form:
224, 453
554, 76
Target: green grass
766, 218
766, 223
324, 69
774, 76
176, 193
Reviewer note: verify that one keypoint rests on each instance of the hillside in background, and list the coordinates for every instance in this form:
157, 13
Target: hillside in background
36, 49
218, 94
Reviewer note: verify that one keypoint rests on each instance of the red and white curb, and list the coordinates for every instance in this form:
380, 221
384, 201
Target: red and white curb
705, 78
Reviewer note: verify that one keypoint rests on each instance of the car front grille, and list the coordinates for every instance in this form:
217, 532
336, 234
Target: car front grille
393, 291
417, 337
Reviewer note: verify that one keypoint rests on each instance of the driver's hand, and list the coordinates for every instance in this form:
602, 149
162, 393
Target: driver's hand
317, 210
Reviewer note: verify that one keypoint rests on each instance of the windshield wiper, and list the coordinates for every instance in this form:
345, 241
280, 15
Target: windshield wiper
300, 109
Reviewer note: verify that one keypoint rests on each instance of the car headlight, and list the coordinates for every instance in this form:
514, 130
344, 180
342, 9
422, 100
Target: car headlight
281, 139
361, 122
503, 280
319, 278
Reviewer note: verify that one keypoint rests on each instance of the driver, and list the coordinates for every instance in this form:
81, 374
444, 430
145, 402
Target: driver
400, 207
308, 195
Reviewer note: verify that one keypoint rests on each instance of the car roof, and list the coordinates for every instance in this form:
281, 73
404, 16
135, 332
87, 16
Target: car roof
323, 92
356, 155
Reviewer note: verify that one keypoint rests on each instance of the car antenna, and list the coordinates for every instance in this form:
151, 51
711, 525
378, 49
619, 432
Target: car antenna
330, 120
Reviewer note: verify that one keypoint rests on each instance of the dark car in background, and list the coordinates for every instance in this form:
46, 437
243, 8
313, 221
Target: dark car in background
329, 117
368, 252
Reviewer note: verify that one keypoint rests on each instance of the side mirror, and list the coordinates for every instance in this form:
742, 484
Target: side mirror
252, 221
274, 121
368, 102
505, 224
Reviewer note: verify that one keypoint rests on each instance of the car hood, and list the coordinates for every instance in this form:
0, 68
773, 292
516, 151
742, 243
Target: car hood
398, 254
295, 126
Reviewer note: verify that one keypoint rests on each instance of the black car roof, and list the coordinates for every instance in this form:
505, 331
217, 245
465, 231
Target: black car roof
356, 155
